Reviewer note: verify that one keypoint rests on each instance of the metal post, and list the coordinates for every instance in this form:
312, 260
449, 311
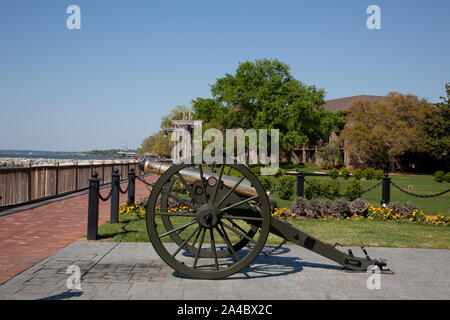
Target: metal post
94, 187
131, 186
115, 185
300, 184
386, 190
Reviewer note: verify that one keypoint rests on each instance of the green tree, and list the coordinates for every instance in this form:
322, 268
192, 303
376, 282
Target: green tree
160, 142
436, 127
380, 132
331, 153
264, 95
175, 114
157, 143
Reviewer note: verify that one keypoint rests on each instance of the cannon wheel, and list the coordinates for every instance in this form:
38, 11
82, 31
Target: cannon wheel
207, 224
167, 221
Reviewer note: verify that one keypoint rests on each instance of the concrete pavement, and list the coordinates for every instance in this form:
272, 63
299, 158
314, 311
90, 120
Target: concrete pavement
134, 271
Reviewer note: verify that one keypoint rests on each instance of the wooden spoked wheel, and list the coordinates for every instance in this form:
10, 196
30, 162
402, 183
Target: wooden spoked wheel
203, 230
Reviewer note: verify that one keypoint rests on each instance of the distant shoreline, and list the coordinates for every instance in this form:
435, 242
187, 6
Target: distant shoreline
20, 162
22, 158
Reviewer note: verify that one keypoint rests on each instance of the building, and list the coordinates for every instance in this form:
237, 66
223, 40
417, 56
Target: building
309, 154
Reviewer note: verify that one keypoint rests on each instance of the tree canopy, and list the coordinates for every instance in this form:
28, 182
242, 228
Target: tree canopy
175, 114
156, 143
380, 132
264, 95
436, 126
159, 142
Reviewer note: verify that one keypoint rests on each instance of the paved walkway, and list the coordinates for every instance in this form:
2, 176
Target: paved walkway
134, 271
29, 236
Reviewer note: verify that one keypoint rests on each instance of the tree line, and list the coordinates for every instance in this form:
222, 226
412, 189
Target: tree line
263, 94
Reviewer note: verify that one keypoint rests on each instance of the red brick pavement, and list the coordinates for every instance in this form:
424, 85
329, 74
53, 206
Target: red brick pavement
29, 236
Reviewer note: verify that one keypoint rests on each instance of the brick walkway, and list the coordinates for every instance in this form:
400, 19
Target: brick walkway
29, 236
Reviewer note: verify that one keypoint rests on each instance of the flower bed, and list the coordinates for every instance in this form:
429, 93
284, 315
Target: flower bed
322, 211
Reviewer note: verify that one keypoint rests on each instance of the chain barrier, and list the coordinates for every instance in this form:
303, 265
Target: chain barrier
340, 194
419, 195
282, 187
282, 243
124, 191
105, 198
148, 184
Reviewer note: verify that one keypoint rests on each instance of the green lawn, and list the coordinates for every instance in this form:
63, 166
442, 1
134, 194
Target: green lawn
345, 232
420, 184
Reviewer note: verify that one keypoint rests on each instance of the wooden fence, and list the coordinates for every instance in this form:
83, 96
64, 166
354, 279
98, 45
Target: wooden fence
31, 184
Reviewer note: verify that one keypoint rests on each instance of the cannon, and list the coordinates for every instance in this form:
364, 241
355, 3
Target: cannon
210, 222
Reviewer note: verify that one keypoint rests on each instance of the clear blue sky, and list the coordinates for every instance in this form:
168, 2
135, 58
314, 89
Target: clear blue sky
133, 61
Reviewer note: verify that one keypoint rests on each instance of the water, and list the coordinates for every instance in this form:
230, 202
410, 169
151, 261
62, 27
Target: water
23, 156
29, 154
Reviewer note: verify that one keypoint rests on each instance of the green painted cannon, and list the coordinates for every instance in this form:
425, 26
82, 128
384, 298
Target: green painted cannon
211, 223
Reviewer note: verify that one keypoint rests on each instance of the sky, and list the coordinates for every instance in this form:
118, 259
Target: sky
109, 83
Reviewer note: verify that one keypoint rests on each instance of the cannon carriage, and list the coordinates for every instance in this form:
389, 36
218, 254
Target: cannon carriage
211, 222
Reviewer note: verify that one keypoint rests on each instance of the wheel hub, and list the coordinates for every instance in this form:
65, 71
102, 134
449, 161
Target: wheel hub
208, 216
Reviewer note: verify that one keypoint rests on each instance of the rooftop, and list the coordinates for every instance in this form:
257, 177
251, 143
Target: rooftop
343, 104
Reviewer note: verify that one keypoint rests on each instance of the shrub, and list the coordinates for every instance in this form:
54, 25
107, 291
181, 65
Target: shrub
233, 172
313, 209
334, 173
407, 209
327, 208
447, 177
341, 208
353, 188
267, 182
311, 189
290, 166
358, 174
345, 173
439, 176
378, 174
287, 192
326, 165
395, 206
256, 171
279, 173
369, 173
332, 187
298, 206
359, 206
335, 208
403, 209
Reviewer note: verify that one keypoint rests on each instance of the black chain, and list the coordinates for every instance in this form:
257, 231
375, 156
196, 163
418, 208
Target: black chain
105, 198
340, 194
145, 182
419, 195
124, 191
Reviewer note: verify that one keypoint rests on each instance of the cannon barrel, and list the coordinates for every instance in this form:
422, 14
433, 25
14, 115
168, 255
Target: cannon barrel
191, 175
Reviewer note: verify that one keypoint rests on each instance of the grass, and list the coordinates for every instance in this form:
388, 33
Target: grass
345, 232
415, 183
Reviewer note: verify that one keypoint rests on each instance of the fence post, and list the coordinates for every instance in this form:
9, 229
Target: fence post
56, 164
300, 184
131, 186
115, 185
30, 194
94, 188
386, 190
